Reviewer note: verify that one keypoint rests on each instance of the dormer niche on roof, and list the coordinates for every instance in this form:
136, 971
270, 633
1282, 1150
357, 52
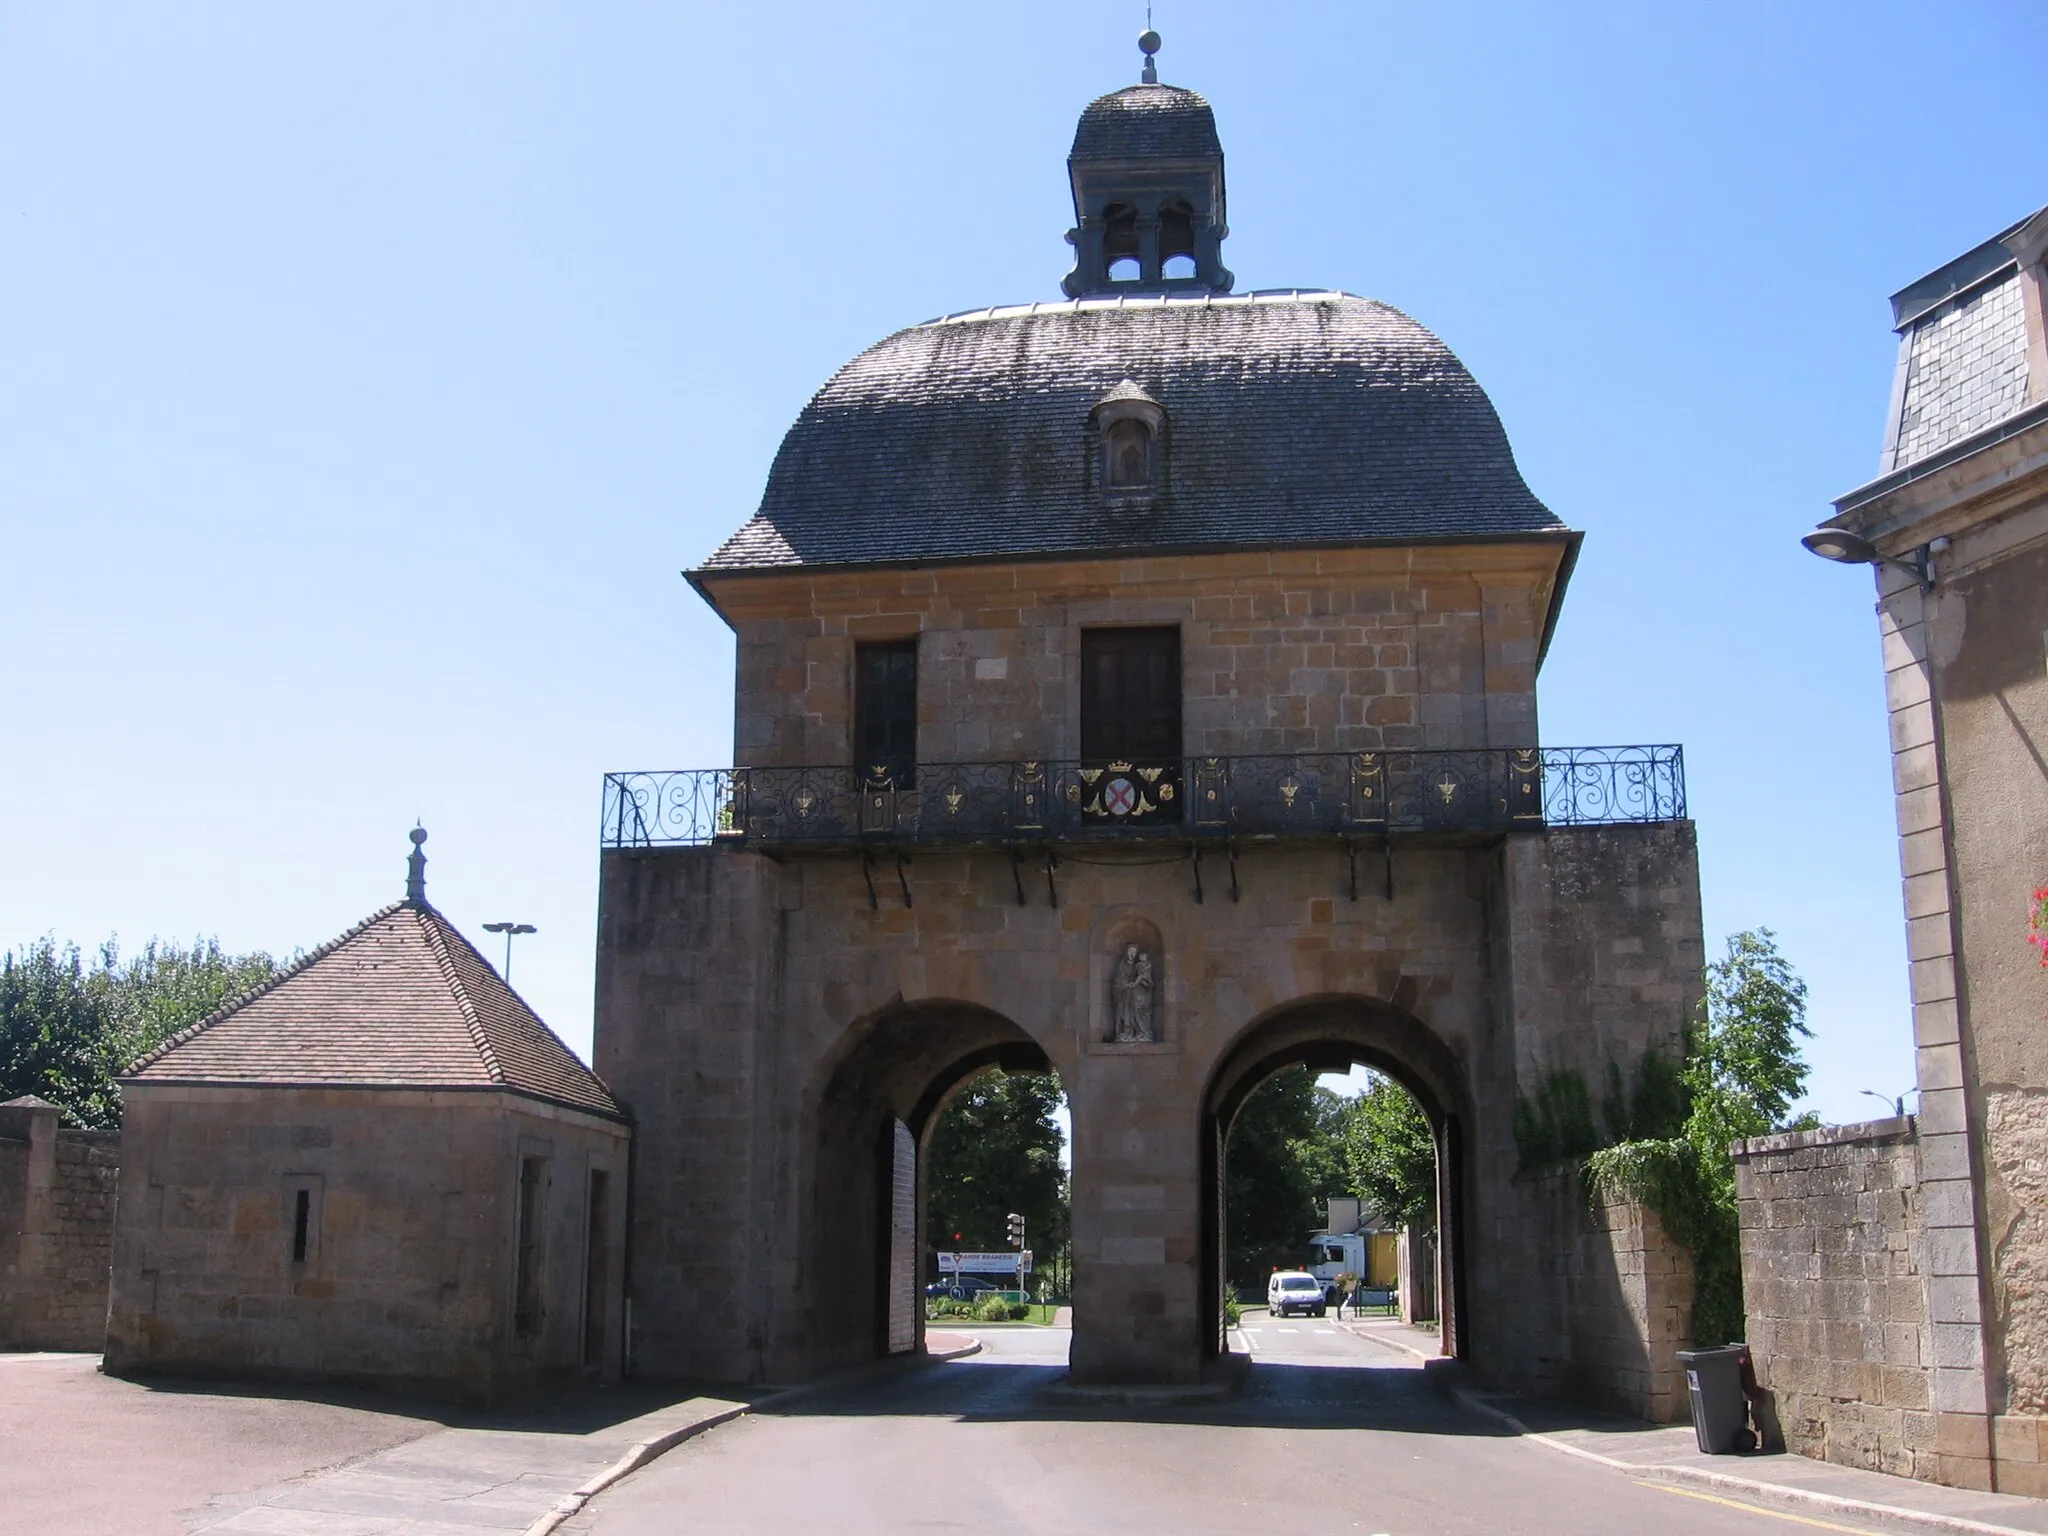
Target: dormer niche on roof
1147, 174
1129, 435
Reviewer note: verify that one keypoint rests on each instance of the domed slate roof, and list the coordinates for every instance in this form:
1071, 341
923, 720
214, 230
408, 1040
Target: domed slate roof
1143, 122
1291, 418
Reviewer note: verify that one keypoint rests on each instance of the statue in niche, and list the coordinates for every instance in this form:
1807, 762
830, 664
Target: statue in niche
1130, 992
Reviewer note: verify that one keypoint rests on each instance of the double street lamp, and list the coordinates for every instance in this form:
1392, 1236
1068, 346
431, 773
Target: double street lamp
511, 931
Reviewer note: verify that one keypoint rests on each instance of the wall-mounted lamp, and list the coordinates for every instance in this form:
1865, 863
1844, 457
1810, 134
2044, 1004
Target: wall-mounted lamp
1848, 548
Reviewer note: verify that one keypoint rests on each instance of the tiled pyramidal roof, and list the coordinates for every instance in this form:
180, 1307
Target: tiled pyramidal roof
1292, 418
402, 1000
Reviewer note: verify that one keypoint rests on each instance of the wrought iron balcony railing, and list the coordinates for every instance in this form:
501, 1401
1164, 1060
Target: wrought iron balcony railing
1315, 794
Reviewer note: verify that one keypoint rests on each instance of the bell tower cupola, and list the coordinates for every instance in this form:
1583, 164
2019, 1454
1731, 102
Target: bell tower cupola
1147, 173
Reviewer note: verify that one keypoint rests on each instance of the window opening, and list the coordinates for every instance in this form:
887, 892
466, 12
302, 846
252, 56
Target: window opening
1130, 696
885, 711
302, 1223
1124, 269
1179, 267
1120, 235
1130, 455
596, 1267
526, 1305
1177, 231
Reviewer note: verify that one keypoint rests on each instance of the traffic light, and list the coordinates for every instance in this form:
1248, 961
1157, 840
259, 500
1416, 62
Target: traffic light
1016, 1230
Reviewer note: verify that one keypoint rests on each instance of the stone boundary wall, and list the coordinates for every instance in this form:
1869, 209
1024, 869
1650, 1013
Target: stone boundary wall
1621, 1305
57, 1191
1833, 1284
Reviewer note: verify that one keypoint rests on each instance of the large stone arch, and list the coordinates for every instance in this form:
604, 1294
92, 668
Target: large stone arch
894, 1068
1331, 1034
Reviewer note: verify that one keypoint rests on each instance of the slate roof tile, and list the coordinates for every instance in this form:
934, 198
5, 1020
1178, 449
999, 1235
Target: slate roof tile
1292, 418
401, 1000
1139, 122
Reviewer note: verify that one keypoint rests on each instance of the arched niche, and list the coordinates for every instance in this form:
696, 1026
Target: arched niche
1116, 933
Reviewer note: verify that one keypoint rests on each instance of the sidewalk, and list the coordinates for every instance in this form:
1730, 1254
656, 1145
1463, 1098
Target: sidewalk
467, 1480
1668, 1453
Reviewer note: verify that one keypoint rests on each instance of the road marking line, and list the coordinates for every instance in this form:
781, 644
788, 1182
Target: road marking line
1756, 1509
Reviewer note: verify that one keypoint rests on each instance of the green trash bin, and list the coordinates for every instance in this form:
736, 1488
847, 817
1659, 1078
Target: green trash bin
1720, 1406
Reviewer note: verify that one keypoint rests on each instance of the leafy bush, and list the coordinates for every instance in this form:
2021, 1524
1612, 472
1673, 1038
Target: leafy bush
1743, 1069
1233, 1314
993, 1309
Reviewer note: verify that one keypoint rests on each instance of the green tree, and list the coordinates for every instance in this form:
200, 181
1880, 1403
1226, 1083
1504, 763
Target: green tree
1743, 1072
996, 1149
1390, 1154
54, 1032
1282, 1162
67, 1030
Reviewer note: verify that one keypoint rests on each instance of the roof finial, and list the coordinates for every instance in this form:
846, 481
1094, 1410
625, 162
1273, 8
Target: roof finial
416, 869
1148, 44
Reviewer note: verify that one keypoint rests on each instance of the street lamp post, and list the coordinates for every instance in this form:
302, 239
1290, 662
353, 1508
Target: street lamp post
511, 931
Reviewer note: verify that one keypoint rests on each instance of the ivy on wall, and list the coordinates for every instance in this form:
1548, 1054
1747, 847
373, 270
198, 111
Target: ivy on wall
1667, 1134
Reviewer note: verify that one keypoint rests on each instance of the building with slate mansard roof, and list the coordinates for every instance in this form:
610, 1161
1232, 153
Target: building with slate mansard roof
1139, 685
379, 1167
1955, 530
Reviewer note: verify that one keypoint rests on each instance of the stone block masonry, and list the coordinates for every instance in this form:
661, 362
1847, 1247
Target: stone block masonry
1607, 1330
1836, 1281
768, 1027
56, 1229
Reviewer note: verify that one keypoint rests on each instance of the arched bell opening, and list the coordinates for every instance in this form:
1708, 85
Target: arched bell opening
872, 1115
1333, 1035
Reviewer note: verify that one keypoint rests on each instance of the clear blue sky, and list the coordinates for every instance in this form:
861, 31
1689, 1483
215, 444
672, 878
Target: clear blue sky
369, 372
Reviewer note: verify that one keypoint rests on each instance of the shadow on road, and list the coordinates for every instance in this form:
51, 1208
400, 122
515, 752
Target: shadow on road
581, 1409
1274, 1395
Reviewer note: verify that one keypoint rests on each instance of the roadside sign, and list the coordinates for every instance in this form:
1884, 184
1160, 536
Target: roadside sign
1009, 1263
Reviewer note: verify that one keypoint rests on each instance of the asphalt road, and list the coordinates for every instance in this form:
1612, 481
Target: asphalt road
1330, 1434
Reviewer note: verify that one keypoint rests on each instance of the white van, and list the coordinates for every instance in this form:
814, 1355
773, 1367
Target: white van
1294, 1290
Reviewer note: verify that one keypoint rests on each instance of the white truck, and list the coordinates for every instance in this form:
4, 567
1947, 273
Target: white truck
1333, 1254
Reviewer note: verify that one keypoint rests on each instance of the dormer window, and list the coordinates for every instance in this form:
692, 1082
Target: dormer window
1128, 426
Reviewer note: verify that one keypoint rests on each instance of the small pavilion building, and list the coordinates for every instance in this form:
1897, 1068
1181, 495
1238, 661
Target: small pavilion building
381, 1167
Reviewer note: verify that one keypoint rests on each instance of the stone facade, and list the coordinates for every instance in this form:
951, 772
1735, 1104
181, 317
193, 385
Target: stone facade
1965, 652
408, 1275
1618, 1304
56, 1229
1282, 651
763, 1024
1834, 1286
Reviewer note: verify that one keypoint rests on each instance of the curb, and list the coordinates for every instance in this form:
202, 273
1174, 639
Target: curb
641, 1452
1360, 1331
1727, 1482
636, 1457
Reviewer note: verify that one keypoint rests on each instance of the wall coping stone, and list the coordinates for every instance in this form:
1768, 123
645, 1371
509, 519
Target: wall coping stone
1891, 1128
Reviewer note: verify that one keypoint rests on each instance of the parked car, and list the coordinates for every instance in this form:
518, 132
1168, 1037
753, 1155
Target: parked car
1295, 1290
961, 1288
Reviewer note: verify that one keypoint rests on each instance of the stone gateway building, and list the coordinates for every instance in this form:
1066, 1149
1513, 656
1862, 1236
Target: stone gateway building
1140, 687
380, 1167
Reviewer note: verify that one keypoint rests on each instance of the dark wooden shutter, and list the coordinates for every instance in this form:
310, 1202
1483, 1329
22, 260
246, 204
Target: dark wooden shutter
885, 711
1130, 695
